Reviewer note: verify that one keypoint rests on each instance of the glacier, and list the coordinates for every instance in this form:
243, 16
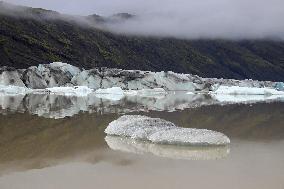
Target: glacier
160, 131
108, 90
59, 74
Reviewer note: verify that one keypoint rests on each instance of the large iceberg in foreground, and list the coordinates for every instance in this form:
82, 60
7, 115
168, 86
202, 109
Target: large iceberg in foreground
160, 131
167, 151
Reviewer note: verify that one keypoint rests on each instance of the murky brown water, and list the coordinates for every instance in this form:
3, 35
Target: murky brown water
37, 152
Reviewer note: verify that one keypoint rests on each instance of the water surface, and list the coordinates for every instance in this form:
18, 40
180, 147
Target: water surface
72, 151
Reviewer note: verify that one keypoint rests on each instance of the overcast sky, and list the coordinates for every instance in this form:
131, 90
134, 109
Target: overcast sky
183, 18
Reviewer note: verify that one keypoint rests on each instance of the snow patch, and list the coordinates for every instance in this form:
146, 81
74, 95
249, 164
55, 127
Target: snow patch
161, 131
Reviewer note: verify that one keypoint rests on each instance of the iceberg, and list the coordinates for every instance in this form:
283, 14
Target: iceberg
13, 90
70, 91
279, 86
160, 131
167, 151
245, 99
114, 93
236, 90
149, 93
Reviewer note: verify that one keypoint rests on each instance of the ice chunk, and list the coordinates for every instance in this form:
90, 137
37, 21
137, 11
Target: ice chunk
11, 78
113, 90
114, 93
236, 90
149, 93
161, 131
70, 91
13, 90
279, 86
73, 70
167, 151
224, 98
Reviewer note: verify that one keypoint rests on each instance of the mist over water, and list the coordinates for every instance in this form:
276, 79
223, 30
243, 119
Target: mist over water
226, 19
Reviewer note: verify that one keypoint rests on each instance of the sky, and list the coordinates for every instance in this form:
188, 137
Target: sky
233, 19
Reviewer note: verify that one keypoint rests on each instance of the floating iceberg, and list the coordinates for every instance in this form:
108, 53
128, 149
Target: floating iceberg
167, 151
149, 93
13, 90
236, 90
230, 99
279, 86
160, 131
70, 91
114, 93
236, 94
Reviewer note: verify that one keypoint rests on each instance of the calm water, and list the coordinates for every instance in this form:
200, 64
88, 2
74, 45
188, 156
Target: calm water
38, 151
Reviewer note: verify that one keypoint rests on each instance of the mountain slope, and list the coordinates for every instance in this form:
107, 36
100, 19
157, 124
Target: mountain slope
27, 41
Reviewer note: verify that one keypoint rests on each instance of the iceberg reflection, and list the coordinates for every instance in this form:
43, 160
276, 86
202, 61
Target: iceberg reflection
60, 106
168, 151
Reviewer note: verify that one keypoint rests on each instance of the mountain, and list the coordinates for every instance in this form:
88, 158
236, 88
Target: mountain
30, 36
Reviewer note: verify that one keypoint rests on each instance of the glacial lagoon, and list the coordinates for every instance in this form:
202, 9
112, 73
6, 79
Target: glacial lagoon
50, 141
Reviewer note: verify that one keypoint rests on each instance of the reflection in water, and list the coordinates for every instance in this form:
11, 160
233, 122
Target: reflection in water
56, 106
168, 151
36, 152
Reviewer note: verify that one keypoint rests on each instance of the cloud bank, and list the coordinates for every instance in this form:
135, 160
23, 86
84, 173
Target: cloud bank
191, 19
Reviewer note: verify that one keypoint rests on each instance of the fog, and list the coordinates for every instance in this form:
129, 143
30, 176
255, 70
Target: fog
228, 19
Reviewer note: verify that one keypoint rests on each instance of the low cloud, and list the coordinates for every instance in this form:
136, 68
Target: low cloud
191, 19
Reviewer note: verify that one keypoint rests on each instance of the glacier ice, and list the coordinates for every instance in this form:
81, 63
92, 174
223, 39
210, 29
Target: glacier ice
60, 74
279, 86
70, 91
237, 90
114, 93
13, 90
129, 145
246, 99
160, 131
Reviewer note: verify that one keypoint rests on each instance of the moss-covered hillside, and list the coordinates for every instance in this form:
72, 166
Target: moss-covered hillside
26, 41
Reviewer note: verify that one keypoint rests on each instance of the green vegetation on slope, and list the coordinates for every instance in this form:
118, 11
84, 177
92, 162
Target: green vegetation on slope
25, 42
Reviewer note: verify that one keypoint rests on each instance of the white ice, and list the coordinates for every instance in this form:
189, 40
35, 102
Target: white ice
236, 90
114, 93
246, 98
150, 93
160, 131
70, 91
13, 90
73, 70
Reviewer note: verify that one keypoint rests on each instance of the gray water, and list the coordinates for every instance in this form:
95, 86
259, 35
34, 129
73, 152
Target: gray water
70, 150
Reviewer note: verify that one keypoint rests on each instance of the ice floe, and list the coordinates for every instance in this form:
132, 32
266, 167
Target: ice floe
13, 90
70, 91
167, 151
155, 92
160, 131
237, 90
230, 99
114, 93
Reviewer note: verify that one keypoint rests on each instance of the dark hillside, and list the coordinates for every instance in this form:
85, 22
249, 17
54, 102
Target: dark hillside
26, 41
